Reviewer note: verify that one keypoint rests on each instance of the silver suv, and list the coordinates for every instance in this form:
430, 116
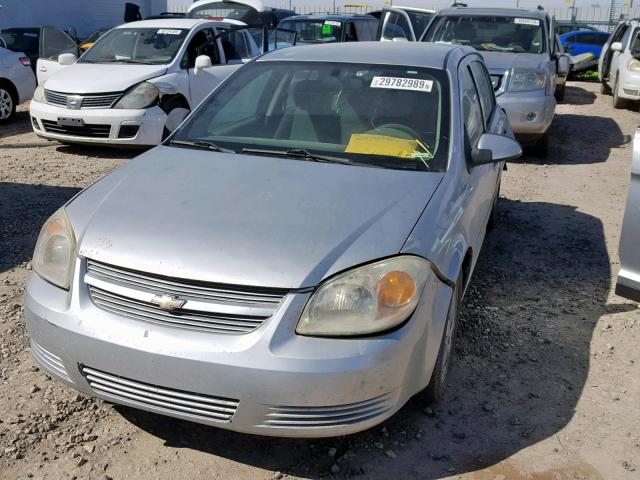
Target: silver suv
523, 59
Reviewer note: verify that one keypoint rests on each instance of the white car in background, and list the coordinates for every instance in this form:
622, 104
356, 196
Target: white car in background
619, 64
17, 82
139, 81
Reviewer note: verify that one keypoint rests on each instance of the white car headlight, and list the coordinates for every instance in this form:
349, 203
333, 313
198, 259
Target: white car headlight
525, 80
38, 95
54, 256
143, 95
365, 300
633, 65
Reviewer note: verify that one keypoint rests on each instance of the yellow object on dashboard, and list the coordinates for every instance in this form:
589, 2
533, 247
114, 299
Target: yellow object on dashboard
381, 145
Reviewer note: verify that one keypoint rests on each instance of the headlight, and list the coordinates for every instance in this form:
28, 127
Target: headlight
633, 65
38, 95
525, 80
143, 95
54, 256
366, 300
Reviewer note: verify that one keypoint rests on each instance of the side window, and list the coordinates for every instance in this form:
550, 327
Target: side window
202, 43
350, 34
625, 36
471, 110
483, 84
572, 39
362, 30
234, 45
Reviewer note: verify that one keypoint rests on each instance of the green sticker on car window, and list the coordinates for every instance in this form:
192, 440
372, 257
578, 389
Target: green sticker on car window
327, 29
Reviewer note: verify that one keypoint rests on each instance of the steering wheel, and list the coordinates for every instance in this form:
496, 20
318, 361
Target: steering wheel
402, 128
522, 46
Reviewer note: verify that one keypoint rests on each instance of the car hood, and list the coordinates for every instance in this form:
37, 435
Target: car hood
507, 61
100, 78
247, 220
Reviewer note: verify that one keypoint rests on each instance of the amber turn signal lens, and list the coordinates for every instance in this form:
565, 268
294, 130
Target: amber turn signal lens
55, 226
395, 289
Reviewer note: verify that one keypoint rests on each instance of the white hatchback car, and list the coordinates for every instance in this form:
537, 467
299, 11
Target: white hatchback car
619, 64
17, 82
139, 81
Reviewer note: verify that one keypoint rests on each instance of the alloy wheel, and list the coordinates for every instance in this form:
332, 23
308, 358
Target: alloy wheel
6, 104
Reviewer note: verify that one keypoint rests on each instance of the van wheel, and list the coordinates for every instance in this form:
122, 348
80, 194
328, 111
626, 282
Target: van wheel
7, 103
605, 89
438, 384
176, 111
617, 101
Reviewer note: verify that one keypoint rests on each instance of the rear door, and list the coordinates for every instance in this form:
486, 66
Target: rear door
53, 42
395, 24
628, 283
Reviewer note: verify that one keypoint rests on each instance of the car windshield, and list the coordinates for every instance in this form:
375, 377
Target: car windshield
378, 115
314, 31
490, 33
154, 46
21, 39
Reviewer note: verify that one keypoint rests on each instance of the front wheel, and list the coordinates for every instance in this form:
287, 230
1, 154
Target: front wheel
7, 104
617, 101
560, 92
605, 89
438, 384
176, 111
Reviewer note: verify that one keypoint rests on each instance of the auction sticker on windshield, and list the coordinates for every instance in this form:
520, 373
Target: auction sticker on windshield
526, 21
168, 31
399, 83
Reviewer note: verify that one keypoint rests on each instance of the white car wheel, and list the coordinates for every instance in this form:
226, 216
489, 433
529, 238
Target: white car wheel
7, 105
175, 118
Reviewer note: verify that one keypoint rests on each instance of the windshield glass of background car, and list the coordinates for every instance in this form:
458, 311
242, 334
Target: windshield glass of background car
136, 45
493, 34
314, 31
389, 116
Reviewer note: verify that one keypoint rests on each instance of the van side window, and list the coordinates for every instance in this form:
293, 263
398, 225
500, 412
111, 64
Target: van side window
471, 110
350, 34
483, 84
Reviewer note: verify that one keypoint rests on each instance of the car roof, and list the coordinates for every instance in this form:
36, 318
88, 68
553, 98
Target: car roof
319, 16
166, 23
497, 12
417, 54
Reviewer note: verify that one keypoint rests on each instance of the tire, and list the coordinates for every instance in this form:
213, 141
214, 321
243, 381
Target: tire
605, 89
176, 111
540, 149
560, 91
438, 383
8, 103
493, 216
618, 102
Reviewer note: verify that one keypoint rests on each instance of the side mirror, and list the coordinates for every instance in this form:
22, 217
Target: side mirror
67, 59
564, 65
616, 47
494, 148
202, 61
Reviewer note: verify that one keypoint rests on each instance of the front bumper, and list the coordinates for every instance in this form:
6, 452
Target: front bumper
269, 381
529, 113
629, 85
103, 125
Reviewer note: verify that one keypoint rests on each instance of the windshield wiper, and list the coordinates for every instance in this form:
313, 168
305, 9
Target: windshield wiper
205, 144
299, 153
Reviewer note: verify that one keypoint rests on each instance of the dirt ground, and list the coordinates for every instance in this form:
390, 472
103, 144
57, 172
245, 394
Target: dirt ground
546, 377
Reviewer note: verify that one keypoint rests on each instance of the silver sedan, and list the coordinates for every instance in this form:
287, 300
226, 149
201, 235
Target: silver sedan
291, 261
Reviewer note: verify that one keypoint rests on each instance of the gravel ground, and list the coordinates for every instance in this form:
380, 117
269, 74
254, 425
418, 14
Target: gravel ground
546, 378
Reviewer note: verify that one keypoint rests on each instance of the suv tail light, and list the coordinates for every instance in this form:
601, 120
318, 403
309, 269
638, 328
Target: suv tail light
26, 61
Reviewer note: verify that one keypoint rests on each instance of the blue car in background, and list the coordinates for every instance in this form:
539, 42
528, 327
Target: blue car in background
584, 41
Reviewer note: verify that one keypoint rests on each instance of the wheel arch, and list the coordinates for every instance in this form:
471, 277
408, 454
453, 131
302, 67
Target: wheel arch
11, 88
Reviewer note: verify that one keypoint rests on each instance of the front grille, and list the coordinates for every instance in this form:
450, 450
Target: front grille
209, 307
163, 399
101, 100
330, 416
49, 361
86, 130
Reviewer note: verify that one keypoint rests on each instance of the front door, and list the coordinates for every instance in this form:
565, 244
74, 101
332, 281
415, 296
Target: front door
53, 43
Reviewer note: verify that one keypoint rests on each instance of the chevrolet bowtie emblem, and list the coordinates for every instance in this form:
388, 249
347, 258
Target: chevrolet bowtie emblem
168, 302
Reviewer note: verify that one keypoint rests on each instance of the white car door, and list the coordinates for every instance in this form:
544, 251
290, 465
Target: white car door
617, 59
53, 43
